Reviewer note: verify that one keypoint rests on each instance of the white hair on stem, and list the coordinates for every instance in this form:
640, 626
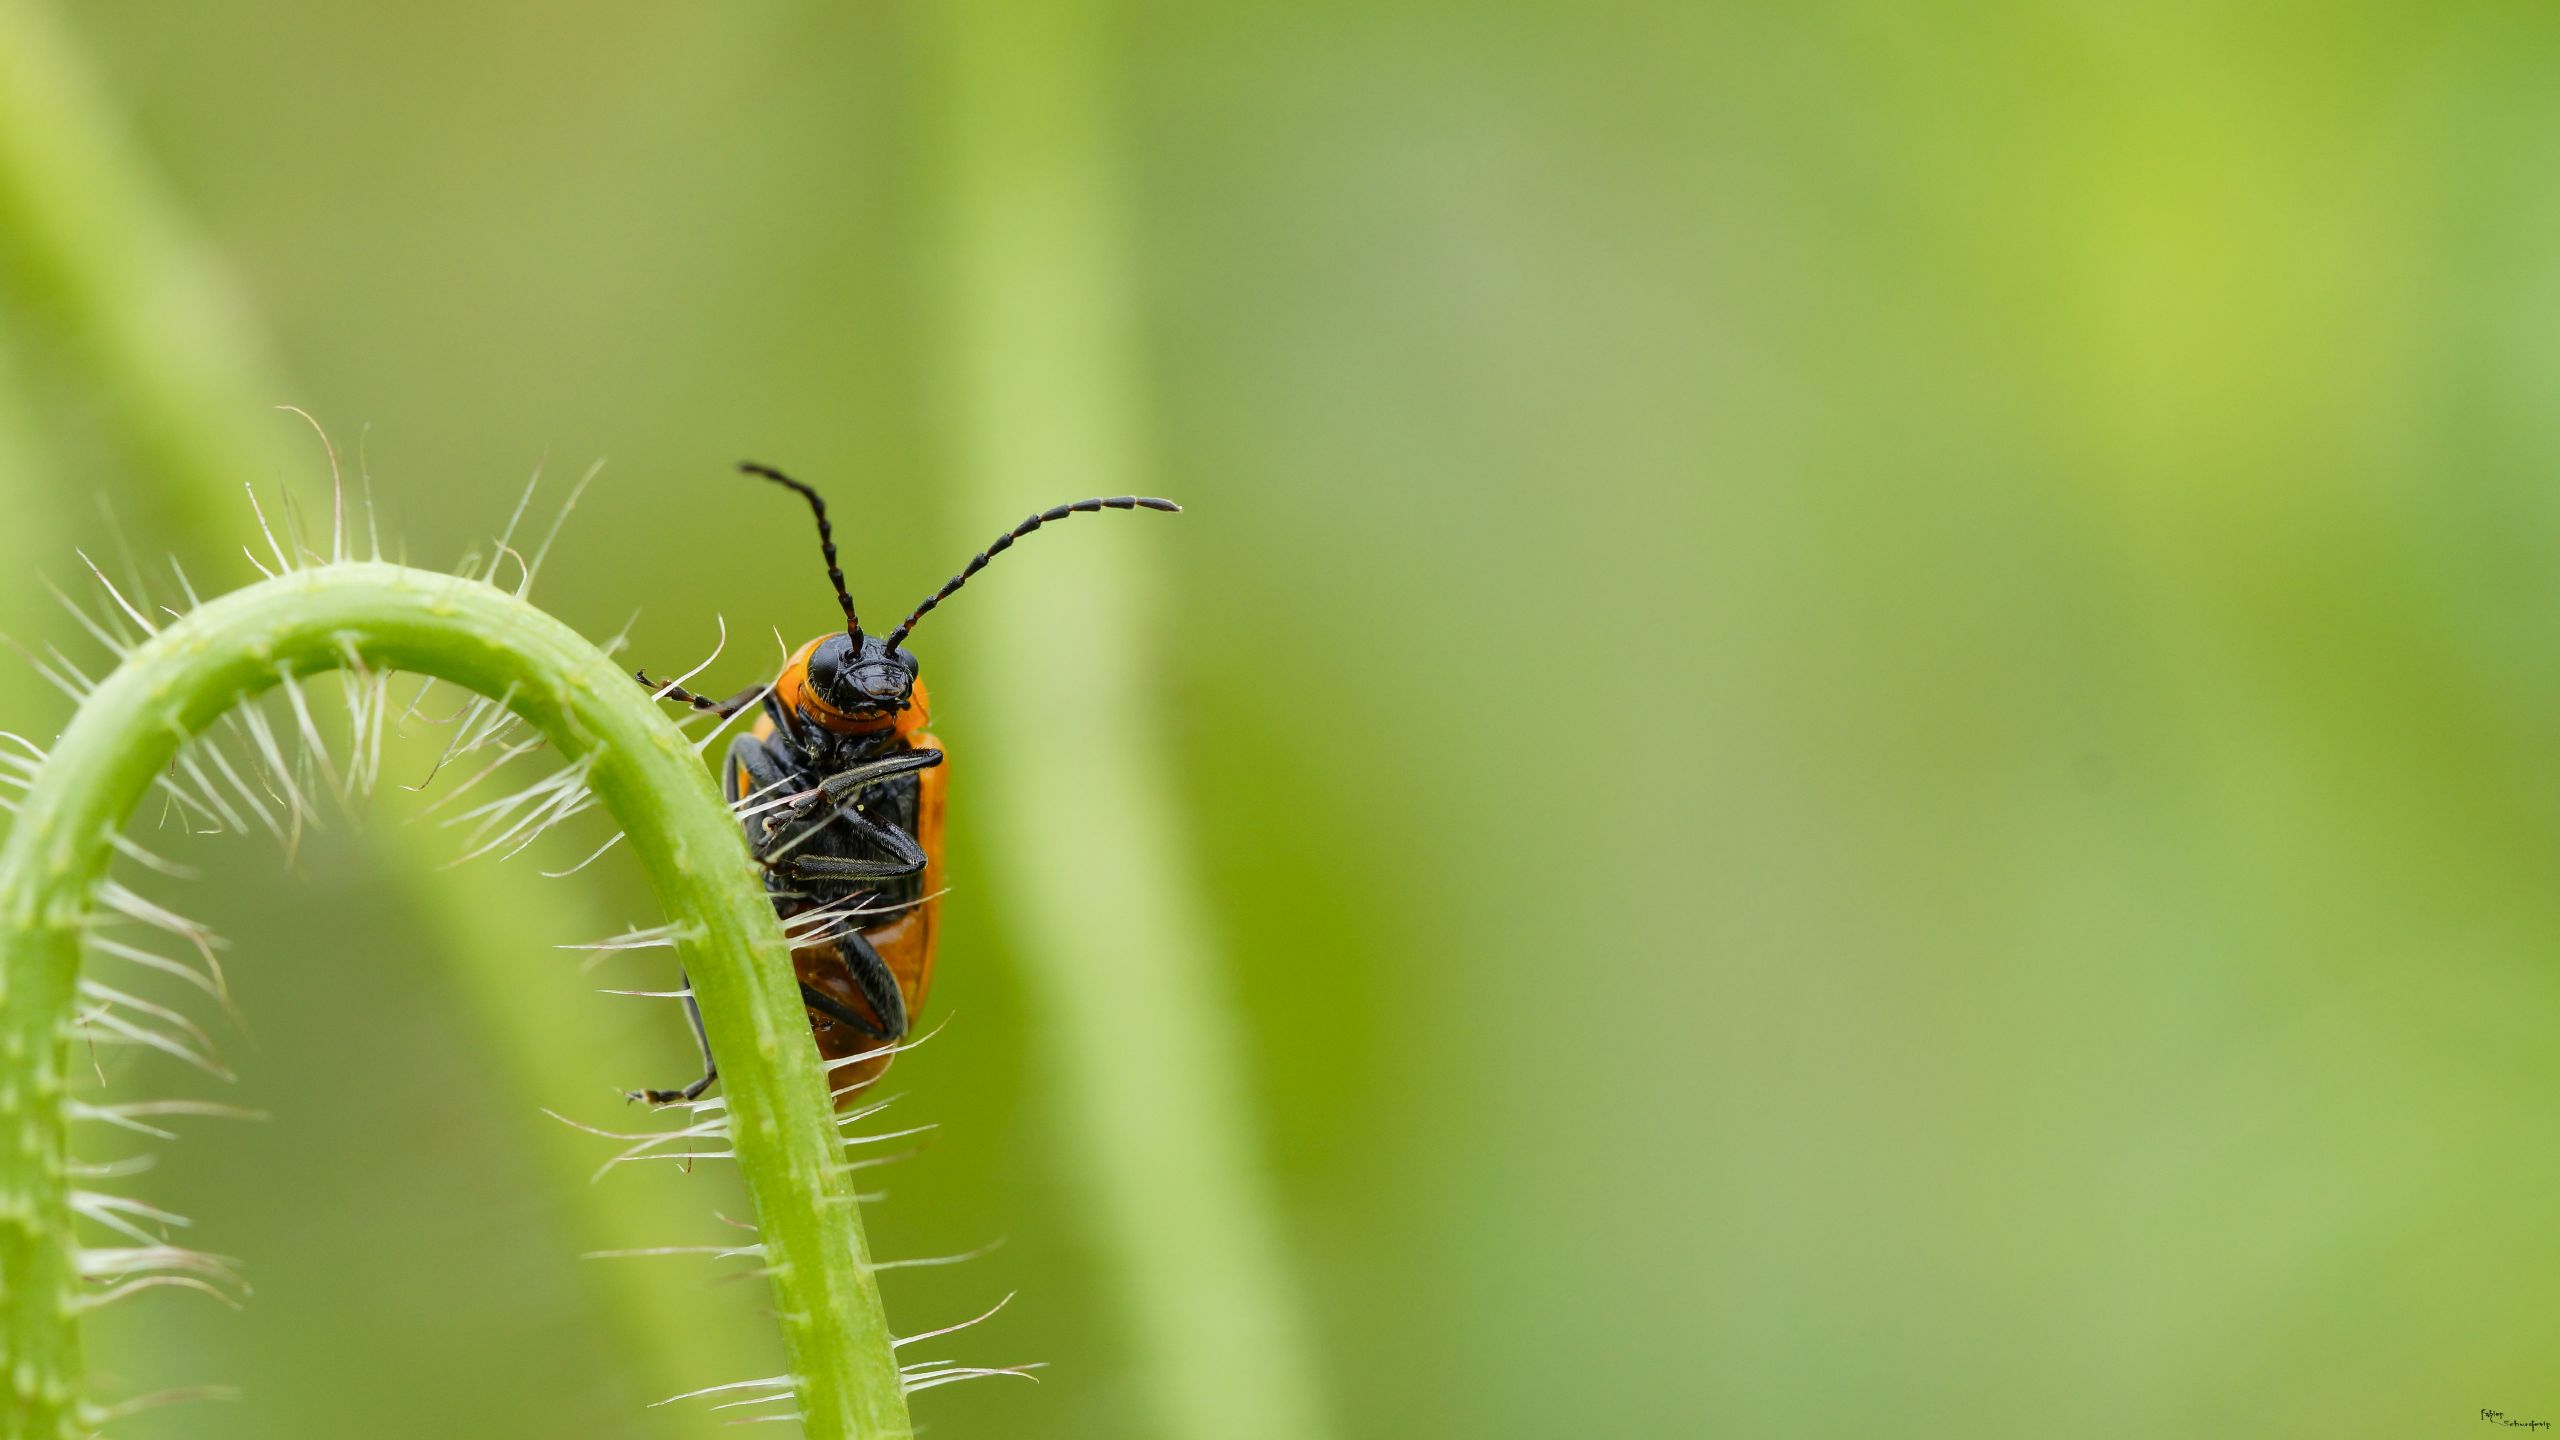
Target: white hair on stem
786, 1383
257, 768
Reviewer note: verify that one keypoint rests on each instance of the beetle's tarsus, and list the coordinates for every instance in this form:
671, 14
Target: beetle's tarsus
710, 1067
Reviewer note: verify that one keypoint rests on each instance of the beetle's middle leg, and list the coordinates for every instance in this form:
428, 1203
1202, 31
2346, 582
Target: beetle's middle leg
835, 792
907, 858
777, 841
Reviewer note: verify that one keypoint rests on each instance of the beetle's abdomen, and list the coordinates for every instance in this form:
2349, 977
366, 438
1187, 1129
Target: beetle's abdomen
904, 940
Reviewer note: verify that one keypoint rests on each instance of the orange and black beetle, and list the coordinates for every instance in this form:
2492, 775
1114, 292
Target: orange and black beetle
841, 788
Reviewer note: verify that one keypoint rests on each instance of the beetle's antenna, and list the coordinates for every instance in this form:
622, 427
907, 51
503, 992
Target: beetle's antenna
1005, 542
826, 542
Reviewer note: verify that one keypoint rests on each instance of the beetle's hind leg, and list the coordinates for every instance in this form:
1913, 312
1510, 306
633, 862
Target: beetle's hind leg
879, 987
710, 1067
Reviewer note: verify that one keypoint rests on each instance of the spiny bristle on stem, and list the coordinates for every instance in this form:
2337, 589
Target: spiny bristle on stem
98, 1415
368, 700
524, 814
205, 799
542, 551
481, 721
934, 1379
114, 641
107, 995
101, 1025
592, 857
643, 1144
131, 613
127, 1115
505, 544
923, 1262
148, 859
654, 937
130, 1270
210, 982
122, 1215
125, 1168
314, 750
286, 788
124, 902
497, 762
72, 684
239, 788
72, 673
837, 919
905, 1340
85, 1304
283, 565
337, 485
678, 683
785, 1383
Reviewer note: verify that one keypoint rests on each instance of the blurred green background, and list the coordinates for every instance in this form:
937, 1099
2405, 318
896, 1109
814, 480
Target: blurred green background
1864, 694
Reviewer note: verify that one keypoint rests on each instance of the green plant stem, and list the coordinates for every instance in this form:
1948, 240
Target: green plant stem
781, 1124
1044, 402
34, 532
105, 263
97, 256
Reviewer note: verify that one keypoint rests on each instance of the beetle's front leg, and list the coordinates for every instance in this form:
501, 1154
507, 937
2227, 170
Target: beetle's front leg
833, 799
722, 708
839, 789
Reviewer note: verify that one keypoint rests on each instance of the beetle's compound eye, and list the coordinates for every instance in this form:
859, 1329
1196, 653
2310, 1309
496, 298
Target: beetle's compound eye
827, 673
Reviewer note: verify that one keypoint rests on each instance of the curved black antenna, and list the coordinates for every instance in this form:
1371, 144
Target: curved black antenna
826, 542
1005, 541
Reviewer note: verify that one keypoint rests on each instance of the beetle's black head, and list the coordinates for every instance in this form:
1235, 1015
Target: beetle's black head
860, 683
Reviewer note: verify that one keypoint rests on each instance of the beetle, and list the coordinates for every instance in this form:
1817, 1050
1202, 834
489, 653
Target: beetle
840, 787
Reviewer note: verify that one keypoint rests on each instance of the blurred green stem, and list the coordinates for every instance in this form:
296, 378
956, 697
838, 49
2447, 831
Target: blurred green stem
33, 535
1043, 400
99, 257
103, 263
780, 1121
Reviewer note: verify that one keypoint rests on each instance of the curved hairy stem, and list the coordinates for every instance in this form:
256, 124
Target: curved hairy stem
100, 261
780, 1120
